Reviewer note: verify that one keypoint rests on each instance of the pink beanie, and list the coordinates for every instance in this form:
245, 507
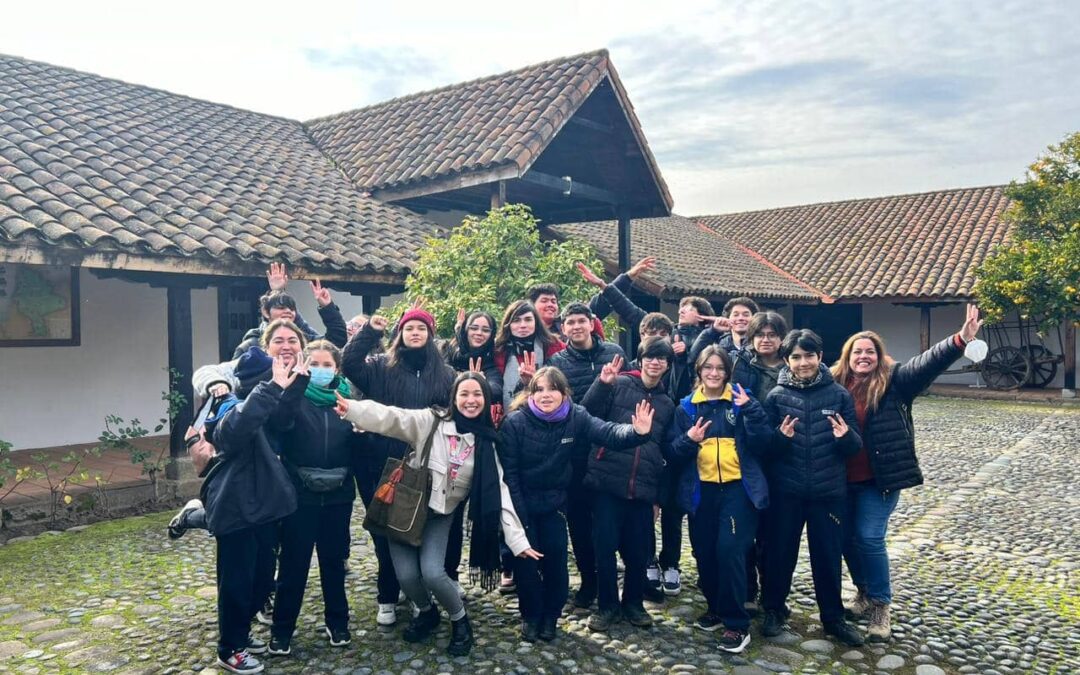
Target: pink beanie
417, 315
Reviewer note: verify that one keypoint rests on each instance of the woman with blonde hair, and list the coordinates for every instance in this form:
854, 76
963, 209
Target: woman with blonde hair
883, 391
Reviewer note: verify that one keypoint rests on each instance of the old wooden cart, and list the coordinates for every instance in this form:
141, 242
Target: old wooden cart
1018, 356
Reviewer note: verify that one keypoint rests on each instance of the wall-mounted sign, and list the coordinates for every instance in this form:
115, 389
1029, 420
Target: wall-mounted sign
39, 306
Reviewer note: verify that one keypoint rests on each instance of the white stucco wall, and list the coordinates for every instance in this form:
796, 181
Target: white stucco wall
59, 395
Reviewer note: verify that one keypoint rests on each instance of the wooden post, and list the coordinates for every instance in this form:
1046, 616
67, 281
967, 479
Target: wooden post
371, 303
178, 333
924, 327
498, 195
1070, 355
625, 338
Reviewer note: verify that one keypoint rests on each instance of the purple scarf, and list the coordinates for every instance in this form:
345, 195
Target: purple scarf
557, 415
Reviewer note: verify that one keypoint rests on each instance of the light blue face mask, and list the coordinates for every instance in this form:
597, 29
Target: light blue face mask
321, 376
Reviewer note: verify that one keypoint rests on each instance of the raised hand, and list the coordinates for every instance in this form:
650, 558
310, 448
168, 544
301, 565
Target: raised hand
528, 366
787, 427
740, 397
611, 370
972, 324
643, 416
342, 405
218, 389
721, 324
677, 345
378, 323
646, 264
839, 426
496, 414
301, 367
697, 432
588, 275
277, 277
475, 365
322, 295
283, 375
460, 318
418, 303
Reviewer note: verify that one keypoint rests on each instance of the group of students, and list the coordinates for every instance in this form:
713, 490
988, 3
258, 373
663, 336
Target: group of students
552, 440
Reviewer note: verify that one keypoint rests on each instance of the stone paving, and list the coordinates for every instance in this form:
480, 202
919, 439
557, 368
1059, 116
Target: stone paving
986, 562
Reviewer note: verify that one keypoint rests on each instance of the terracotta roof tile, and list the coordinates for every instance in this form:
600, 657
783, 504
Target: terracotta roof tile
692, 260
923, 245
100, 164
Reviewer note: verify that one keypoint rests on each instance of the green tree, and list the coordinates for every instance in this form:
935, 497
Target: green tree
1037, 272
487, 263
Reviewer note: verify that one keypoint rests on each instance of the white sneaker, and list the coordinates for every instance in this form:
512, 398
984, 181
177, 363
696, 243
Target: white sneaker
387, 615
672, 581
458, 588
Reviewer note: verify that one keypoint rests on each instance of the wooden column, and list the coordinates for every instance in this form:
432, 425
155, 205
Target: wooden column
498, 195
1070, 355
924, 327
371, 303
178, 331
624, 264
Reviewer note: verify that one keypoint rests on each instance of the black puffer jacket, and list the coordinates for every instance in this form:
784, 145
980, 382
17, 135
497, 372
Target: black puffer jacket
314, 436
889, 434
637, 474
682, 371
581, 368
398, 386
248, 486
813, 463
537, 456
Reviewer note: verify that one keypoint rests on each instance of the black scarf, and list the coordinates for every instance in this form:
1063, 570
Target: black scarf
414, 358
485, 502
520, 345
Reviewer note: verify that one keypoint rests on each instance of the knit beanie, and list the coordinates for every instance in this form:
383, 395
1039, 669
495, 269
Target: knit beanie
417, 314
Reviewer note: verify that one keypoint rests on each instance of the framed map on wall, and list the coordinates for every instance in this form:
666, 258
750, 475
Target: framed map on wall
39, 305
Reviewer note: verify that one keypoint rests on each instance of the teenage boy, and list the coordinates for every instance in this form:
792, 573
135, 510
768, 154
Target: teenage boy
729, 329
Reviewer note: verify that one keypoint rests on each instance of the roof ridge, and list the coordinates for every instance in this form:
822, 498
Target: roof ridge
146, 87
458, 85
851, 201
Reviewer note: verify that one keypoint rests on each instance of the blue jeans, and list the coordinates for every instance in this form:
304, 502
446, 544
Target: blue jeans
864, 538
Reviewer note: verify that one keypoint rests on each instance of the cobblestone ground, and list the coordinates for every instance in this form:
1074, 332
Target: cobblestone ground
985, 568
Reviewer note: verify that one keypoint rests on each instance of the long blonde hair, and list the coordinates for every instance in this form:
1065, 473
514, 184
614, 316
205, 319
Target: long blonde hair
872, 388
554, 377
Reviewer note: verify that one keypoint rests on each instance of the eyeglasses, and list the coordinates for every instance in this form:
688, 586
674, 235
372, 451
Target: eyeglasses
712, 369
767, 336
653, 358
479, 329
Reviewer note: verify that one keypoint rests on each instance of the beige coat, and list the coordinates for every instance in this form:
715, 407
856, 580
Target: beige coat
412, 427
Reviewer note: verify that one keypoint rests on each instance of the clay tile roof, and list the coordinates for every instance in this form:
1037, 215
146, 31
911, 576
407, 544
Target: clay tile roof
908, 246
88, 162
691, 259
498, 121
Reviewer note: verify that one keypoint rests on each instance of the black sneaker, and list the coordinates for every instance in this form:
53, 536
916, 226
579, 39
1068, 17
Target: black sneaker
422, 625
547, 630
602, 621
255, 645
844, 632
708, 621
279, 646
339, 637
734, 641
637, 616
773, 623
178, 524
584, 598
240, 662
530, 630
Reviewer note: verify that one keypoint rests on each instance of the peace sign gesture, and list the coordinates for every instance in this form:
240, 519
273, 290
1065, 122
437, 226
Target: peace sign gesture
696, 433
740, 397
475, 365
642, 419
322, 295
342, 405
787, 427
839, 426
611, 370
528, 366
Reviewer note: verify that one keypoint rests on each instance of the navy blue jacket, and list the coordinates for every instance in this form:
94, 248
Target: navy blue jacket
248, 486
581, 368
812, 464
751, 432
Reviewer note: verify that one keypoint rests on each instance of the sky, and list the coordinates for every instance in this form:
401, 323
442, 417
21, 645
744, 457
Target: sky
746, 105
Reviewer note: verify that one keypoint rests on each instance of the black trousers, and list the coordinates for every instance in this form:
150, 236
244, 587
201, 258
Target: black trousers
823, 519
579, 519
622, 525
755, 558
245, 577
456, 540
543, 585
671, 520
324, 529
724, 527
386, 581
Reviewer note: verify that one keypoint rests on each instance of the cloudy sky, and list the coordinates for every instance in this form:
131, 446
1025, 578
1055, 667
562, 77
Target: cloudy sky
747, 105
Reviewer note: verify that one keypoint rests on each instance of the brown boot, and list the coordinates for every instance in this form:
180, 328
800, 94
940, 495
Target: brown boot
859, 606
880, 628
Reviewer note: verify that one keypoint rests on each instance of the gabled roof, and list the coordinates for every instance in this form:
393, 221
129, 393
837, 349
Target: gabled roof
498, 124
916, 246
691, 260
97, 165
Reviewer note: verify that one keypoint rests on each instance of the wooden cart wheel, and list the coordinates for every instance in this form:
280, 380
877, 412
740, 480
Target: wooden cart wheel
1006, 368
1043, 366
